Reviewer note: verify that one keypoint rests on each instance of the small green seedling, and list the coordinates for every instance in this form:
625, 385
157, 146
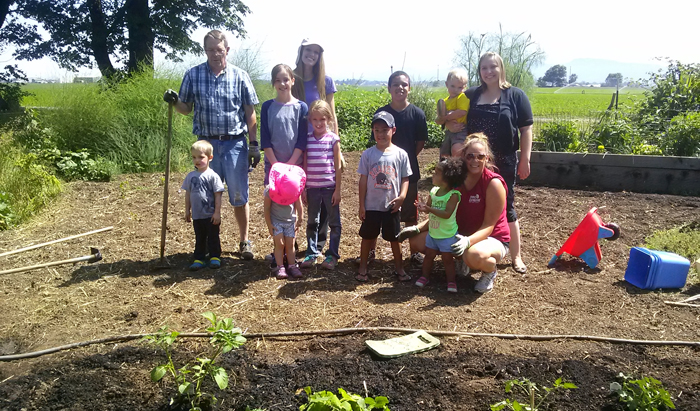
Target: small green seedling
533, 393
189, 378
327, 401
644, 394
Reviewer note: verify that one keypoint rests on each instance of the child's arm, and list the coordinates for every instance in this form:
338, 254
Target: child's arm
363, 193
424, 207
335, 200
396, 203
296, 155
268, 218
188, 207
299, 209
449, 207
303, 192
454, 115
270, 155
216, 218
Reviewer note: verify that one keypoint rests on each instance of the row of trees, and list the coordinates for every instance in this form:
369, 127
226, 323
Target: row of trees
555, 76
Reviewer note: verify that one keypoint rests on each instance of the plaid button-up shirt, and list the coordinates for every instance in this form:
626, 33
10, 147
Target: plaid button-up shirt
218, 101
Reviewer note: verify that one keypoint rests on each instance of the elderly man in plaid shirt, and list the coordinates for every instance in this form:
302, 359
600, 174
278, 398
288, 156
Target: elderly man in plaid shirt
224, 102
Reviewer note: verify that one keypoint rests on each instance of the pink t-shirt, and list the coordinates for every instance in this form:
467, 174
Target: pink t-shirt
471, 210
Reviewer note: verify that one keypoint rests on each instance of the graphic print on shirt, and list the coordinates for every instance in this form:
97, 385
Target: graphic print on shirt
474, 199
383, 173
207, 197
438, 204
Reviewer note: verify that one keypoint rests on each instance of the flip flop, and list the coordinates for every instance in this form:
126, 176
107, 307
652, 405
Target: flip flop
402, 277
520, 269
363, 278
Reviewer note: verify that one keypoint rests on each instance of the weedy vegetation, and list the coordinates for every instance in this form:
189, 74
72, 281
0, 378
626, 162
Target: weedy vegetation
189, 378
643, 394
535, 396
328, 401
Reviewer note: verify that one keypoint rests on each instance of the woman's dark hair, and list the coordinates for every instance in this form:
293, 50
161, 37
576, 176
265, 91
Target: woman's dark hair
454, 170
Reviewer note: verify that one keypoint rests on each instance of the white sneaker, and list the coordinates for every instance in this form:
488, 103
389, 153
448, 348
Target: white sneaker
461, 268
485, 283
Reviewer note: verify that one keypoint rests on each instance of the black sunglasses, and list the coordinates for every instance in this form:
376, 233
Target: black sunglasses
472, 156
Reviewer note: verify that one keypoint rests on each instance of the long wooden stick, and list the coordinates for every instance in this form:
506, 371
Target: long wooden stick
681, 304
95, 256
21, 250
341, 331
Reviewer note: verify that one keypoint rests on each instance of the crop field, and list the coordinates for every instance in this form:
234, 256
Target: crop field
578, 101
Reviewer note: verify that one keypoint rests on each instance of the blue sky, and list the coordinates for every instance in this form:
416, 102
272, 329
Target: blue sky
365, 38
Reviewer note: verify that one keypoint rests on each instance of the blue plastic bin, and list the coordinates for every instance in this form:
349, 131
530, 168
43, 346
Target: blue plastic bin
651, 269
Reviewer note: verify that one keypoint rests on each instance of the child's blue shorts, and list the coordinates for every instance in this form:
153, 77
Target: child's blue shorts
443, 245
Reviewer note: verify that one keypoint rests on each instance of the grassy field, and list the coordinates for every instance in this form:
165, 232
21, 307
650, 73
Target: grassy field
578, 101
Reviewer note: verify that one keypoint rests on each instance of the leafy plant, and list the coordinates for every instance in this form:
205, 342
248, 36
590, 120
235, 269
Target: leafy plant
327, 401
616, 133
683, 136
11, 93
535, 395
190, 377
559, 135
79, 165
644, 394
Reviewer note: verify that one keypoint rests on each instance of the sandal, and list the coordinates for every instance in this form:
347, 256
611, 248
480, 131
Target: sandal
422, 282
402, 277
451, 287
363, 278
520, 269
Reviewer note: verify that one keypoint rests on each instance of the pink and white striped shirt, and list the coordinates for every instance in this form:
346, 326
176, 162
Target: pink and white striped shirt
320, 163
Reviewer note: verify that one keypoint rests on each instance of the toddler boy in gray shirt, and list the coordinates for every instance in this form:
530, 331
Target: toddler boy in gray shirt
203, 189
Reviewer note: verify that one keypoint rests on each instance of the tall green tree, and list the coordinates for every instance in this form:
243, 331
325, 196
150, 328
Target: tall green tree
613, 79
114, 33
555, 75
519, 51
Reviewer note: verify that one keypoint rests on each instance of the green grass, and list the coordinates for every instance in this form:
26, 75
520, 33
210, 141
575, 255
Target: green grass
578, 101
684, 241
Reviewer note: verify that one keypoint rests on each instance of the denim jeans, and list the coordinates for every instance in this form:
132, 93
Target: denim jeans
230, 162
318, 199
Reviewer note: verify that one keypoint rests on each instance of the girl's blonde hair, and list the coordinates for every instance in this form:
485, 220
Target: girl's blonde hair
282, 67
479, 138
319, 71
502, 82
324, 108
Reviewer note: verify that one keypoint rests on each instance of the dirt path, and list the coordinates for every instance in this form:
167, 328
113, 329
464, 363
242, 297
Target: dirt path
123, 294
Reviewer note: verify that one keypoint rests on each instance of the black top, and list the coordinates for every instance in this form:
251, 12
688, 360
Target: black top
514, 111
411, 127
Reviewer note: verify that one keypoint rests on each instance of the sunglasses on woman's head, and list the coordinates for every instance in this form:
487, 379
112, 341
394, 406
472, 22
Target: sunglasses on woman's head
472, 156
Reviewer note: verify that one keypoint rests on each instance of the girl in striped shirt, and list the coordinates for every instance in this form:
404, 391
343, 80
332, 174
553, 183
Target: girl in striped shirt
323, 182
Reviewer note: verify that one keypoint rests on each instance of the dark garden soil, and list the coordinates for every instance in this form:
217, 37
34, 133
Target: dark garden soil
126, 294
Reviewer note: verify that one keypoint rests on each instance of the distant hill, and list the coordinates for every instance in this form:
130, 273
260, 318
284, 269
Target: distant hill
596, 70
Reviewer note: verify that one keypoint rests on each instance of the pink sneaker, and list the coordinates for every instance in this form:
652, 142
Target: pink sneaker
280, 273
294, 271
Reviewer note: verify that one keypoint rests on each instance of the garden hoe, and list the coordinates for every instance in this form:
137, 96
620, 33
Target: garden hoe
94, 256
164, 223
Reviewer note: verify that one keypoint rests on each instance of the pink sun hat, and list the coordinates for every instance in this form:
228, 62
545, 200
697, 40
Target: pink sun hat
287, 181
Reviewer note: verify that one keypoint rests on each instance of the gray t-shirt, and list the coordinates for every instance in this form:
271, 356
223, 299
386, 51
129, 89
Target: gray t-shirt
201, 188
384, 171
281, 213
283, 128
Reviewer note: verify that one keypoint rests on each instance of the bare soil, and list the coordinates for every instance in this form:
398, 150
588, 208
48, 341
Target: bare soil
127, 294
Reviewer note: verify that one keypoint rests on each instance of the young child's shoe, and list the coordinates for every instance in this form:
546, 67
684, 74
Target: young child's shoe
294, 271
329, 263
214, 263
197, 264
308, 262
451, 287
280, 273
